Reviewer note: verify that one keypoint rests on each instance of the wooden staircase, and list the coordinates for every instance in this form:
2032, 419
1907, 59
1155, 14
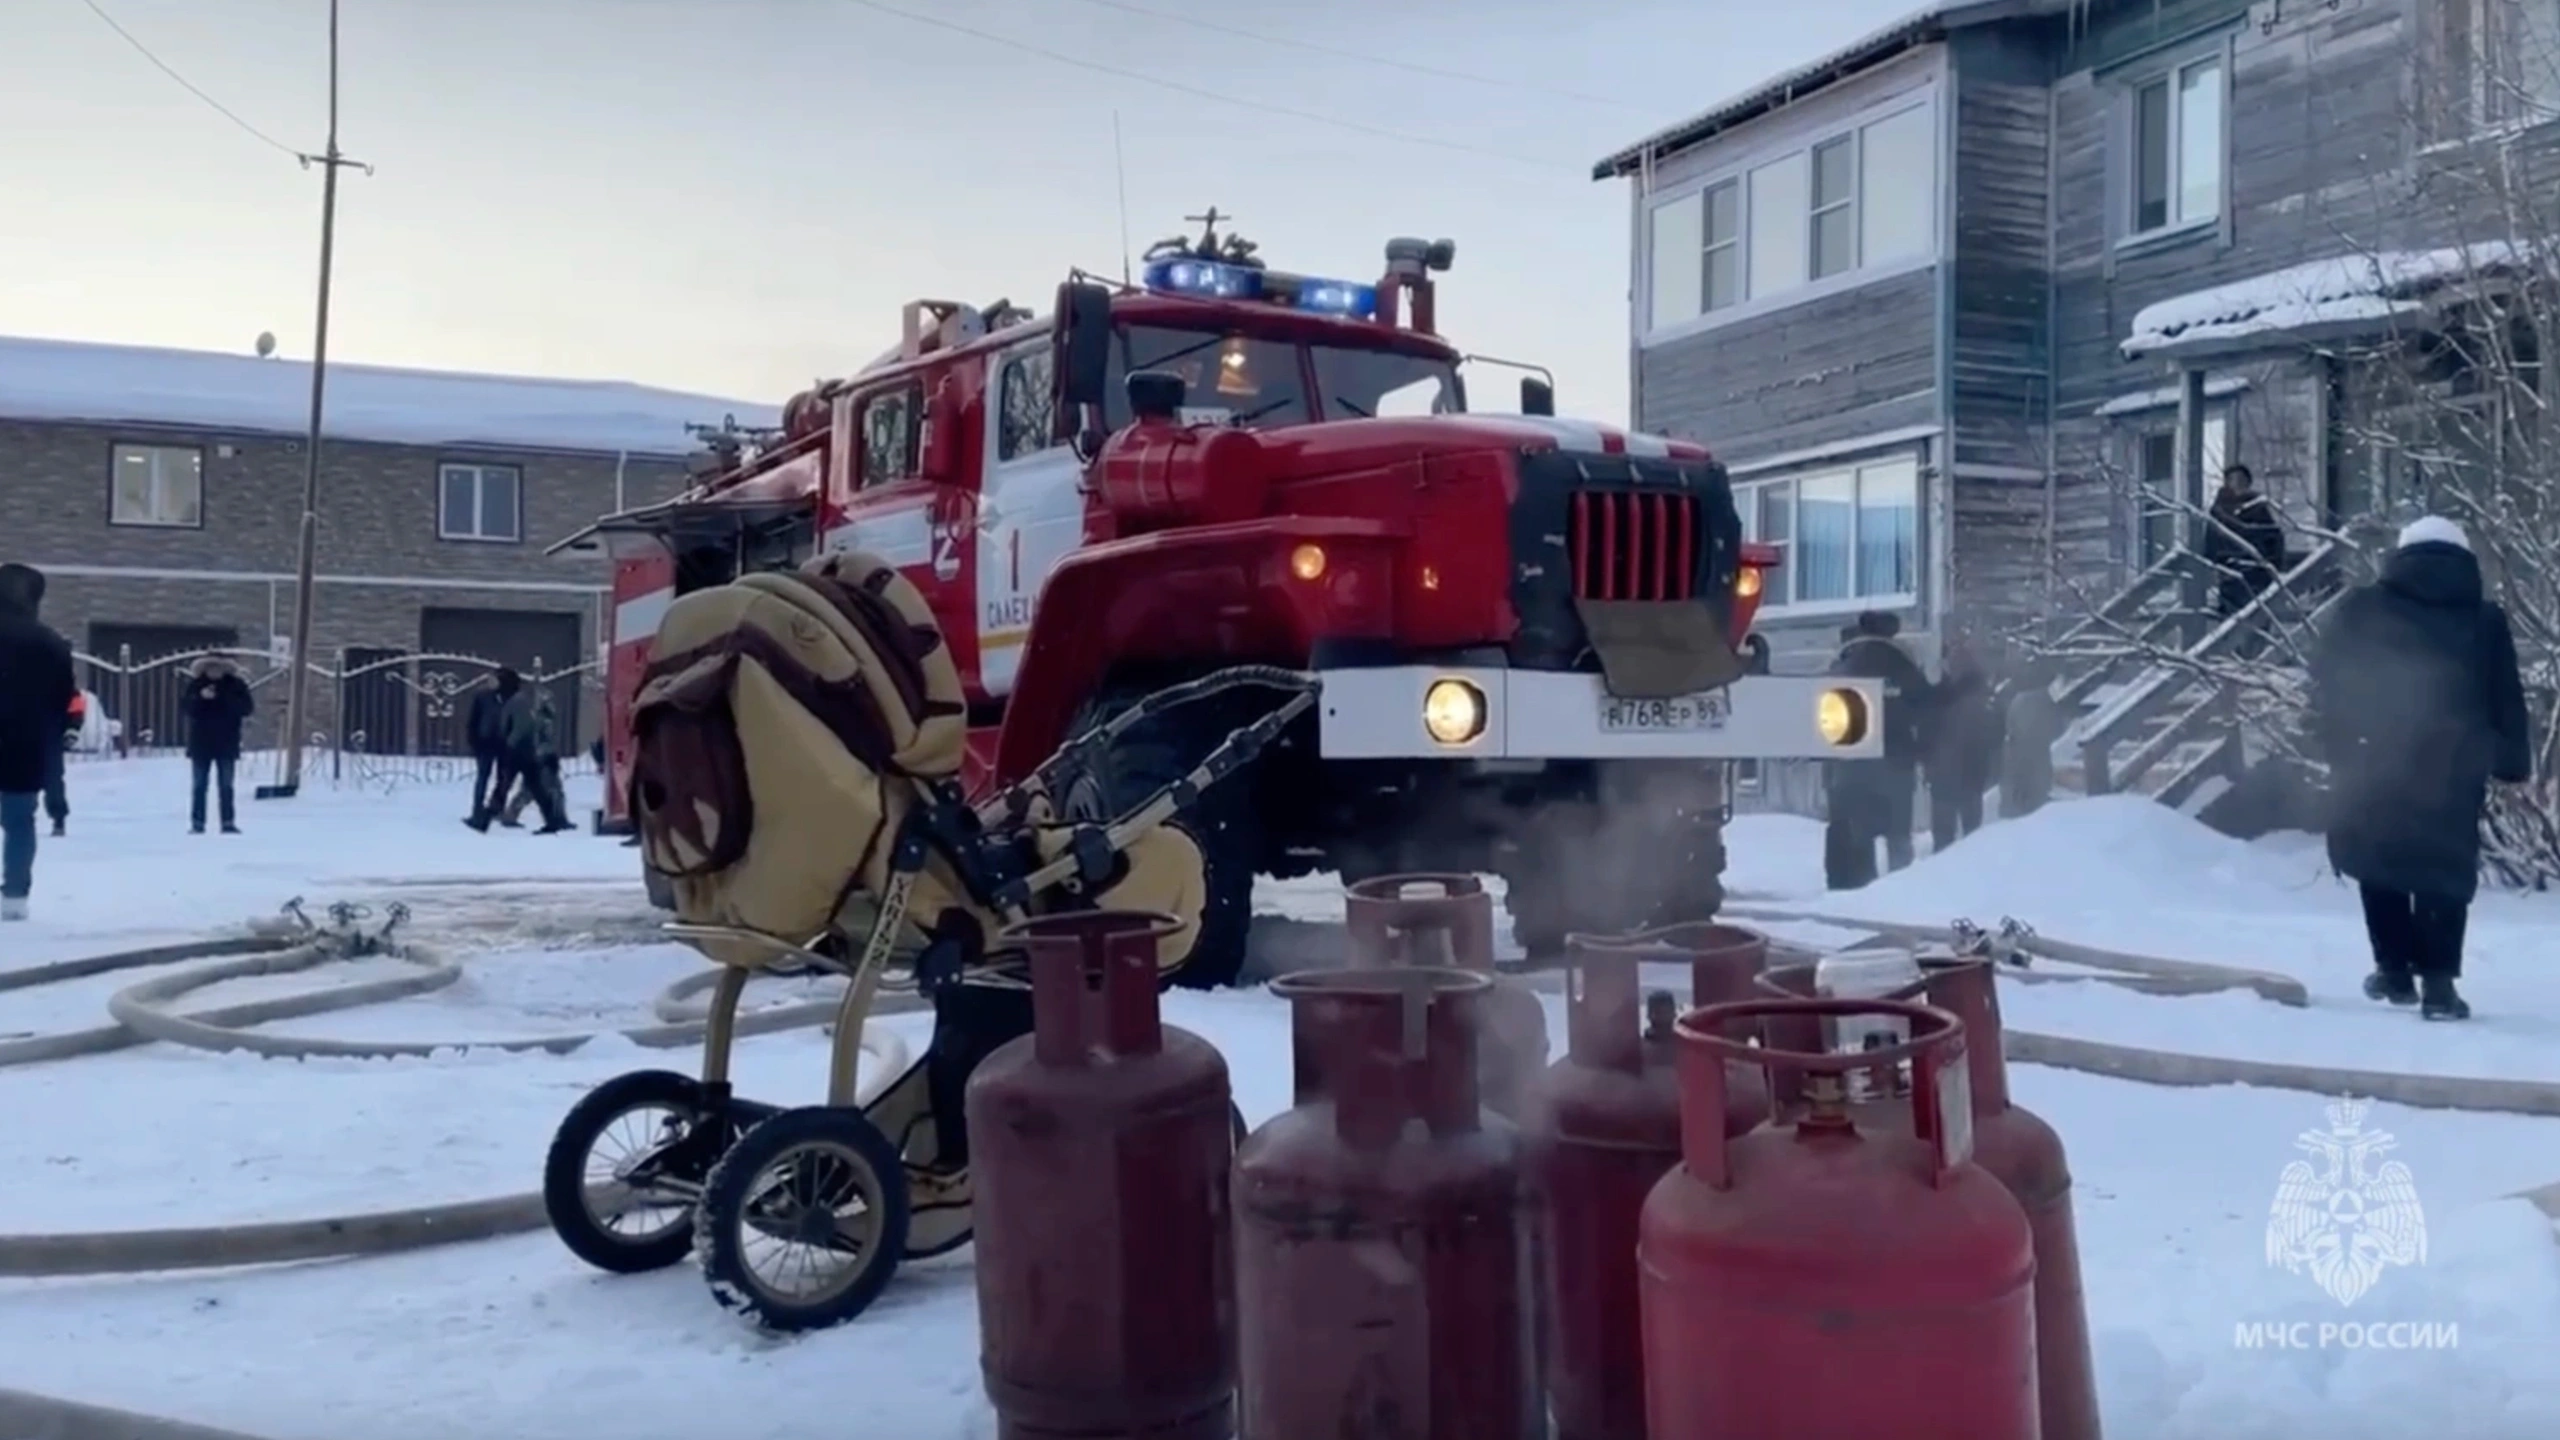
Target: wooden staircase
2148, 716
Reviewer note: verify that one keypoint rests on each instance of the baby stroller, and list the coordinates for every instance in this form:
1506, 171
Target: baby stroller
798, 741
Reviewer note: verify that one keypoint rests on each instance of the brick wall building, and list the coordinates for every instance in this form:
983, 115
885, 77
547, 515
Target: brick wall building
161, 492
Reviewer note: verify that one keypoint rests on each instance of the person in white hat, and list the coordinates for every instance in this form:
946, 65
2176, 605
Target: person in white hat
2417, 706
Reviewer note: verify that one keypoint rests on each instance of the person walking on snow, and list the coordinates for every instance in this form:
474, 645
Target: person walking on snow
1963, 747
2417, 705
533, 742
1872, 799
36, 687
218, 707
486, 728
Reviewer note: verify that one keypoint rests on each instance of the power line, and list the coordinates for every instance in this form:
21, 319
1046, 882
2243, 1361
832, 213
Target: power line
1201, 92
163, 66
1261, 37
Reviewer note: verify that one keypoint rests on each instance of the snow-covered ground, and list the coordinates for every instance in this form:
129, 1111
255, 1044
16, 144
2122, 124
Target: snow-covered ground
515, 1337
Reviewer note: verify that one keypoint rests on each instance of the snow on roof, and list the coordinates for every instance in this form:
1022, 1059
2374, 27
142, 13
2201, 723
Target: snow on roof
2216, 387
79, 380
2337, 290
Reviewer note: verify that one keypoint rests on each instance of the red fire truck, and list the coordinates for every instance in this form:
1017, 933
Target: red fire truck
1529, 631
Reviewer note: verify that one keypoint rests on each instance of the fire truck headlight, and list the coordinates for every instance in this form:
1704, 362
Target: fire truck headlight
1840, 717
1307, 562
1747, 584
1453, 712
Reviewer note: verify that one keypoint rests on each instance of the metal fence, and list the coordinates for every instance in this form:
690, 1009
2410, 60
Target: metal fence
374, 716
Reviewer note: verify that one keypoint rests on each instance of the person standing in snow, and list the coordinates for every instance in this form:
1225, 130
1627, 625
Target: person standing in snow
217, 709
486, 728
1963, 745
1874, 799
2417, 705
36, 687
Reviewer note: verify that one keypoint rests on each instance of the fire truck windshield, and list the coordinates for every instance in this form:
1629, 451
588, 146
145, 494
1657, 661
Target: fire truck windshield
1258, 382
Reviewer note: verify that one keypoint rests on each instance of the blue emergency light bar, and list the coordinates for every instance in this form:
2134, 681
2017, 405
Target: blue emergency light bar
1212, 280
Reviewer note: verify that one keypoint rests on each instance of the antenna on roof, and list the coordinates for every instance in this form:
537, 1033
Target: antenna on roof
266, 344
1120, 172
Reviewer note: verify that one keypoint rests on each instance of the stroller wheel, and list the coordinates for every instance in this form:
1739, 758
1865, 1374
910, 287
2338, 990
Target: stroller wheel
803, 1221
625, 1168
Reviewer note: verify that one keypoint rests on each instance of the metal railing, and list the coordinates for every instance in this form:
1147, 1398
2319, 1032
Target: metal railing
384, 718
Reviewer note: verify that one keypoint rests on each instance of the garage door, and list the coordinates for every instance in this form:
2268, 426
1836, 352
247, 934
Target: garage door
526, 641
151, 698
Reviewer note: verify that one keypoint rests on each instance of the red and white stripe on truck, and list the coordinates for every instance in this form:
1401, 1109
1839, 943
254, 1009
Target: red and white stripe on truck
644, 585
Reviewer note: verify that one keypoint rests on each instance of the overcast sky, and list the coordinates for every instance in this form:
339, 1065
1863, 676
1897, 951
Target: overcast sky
734, 196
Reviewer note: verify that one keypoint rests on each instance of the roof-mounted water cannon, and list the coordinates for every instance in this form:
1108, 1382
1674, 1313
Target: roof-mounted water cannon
728, 444
1407, 288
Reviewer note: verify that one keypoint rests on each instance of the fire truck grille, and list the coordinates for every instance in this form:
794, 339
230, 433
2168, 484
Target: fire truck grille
1633, 545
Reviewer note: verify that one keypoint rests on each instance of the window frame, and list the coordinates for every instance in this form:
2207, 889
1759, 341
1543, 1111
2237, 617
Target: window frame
446, 470
1851, 207
2167, 70
1781, 601
1926, 96
2145, 428
910, 393
2488, 94
1020, 359
116, 452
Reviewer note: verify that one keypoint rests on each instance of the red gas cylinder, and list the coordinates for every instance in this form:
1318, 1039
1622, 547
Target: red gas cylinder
1100, 1153
1382, 1277
1397, 920
2024, 1154
1602, 1126
1821, 1280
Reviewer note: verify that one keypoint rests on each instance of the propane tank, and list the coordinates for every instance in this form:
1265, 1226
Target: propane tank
1396, 920
1100, 1152
2023, 1153
1602, 1126
1382, 1277
1823, 1280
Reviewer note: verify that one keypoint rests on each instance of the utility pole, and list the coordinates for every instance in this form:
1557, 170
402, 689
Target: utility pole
298, 678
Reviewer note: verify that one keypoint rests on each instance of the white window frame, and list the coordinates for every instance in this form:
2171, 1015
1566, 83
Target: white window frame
476, 472
2222, 447
1853, 206
2126, 171
158, 456
1736, 171
1780, 602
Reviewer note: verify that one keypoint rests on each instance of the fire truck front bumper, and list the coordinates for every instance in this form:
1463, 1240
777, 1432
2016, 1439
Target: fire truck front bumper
1434, 712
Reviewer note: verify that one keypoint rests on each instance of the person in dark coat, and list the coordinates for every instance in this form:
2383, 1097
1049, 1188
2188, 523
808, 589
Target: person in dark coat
217, 709
36, 687
1962, 749
1875, 799
485, 726
2244, 543
2417, 705
533, 744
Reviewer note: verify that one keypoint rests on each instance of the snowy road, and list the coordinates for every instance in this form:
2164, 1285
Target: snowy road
514, 1337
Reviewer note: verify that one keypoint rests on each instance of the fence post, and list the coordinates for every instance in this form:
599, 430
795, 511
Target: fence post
124, 702
338, 748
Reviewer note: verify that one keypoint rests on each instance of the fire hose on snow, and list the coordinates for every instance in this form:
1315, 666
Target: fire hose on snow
142, 1015
294, 946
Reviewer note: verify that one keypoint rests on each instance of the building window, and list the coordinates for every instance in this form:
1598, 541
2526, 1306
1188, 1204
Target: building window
1835, 207
1849, 536
1026, 405
2498, 63
889, 437
2161, 517
1858, 199
157, 485
480, 502
2177, 136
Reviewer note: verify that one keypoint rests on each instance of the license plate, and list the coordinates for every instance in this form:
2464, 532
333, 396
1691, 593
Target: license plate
1672, 716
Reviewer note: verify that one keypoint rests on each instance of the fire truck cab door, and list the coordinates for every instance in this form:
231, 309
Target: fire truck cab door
1030, 511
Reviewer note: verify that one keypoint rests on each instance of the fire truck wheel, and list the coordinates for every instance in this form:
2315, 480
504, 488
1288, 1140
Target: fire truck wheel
1224, 823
